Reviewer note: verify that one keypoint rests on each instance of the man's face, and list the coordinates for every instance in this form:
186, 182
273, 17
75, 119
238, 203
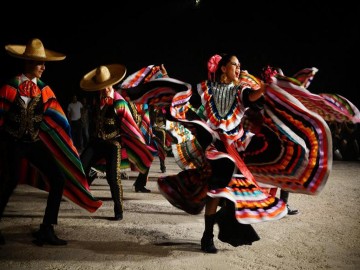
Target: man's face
35, 69
107, 91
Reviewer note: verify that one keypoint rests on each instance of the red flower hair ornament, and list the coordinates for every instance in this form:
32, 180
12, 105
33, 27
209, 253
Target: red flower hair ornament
213, 65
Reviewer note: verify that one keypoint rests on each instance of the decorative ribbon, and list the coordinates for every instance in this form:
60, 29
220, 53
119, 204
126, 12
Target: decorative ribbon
29, 89
106, 100
268, 72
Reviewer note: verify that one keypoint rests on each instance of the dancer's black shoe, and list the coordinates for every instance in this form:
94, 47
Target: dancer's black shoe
142, 190
46, 235
292, 211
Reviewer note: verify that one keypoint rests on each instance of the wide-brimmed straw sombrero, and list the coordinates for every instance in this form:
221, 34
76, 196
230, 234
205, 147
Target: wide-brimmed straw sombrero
34, 50
102, 77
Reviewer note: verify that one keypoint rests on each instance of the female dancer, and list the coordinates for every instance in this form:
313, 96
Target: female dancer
290, 149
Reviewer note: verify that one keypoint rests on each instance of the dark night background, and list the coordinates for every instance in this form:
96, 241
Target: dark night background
183, 35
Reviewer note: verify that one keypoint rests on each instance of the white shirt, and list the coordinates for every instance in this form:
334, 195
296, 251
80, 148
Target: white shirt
74, 110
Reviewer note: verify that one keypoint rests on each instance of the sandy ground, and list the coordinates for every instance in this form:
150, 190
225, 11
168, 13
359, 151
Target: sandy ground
156, 235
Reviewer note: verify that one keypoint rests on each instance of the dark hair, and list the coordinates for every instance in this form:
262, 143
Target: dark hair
225, 59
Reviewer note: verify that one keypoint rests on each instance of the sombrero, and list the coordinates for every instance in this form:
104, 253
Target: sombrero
34, 50
102, 77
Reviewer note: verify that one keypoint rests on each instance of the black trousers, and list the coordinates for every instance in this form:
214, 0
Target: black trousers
40, 157
141, 180
110, 150
76, 133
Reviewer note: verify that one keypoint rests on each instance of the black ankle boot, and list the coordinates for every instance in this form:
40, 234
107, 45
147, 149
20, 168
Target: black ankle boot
207, 244
46, 235
207, 240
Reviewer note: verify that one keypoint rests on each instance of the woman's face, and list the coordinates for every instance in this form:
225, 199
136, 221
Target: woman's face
232, 70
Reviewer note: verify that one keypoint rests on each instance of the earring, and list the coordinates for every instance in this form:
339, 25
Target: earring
223, 78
